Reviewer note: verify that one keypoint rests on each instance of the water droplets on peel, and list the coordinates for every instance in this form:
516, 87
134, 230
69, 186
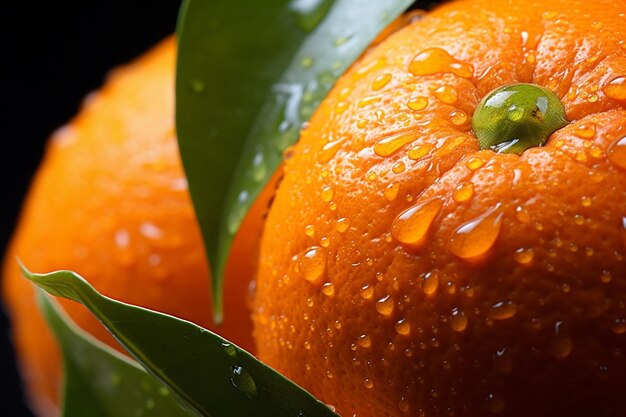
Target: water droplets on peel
243, 381
367, 292
328, 289
385, 306
403, 327
391, 191
524, 256
616, 89
419, 151
619, 326
458, 320
381, 81
342, 224
418, 103
430, 283
561, 344
585, 130
364, 341
329, 150
391, 144
150, 230
312, 263
411, 226
436, 60
617, 153
463, 192
475, 237
447, 94
502, 310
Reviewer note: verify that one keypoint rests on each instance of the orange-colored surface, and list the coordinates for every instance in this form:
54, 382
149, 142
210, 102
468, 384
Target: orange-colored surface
110, 202
403, 272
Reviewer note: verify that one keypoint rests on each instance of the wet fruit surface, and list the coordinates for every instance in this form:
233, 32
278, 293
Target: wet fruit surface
464, 282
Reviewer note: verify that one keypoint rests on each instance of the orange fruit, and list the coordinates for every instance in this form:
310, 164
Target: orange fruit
110, 202
405, 272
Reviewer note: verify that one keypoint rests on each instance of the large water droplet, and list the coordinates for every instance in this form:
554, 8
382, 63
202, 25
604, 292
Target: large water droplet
403, 327
463, 192
502, 310
458, 320
447, 94
430, 283
418, 103
411, 226
329, 150
474, 238
393, 143
243, 381
385, 306
436, 60
312, 263
364, 341
561, 345
381, 81
617, 153
616, 89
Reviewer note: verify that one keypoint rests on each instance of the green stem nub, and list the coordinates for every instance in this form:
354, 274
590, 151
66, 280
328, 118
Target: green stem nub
516, 117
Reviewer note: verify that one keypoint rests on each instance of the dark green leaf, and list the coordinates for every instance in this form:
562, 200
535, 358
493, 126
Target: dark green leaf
249, 74
208, 374
100, 382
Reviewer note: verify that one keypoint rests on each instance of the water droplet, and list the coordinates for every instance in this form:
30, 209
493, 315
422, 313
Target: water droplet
368, 383
616, 89
458, 117
502, 310
447, 94
327, 193
341, 107
151, 231
366, 101
309, 230
561, 345
476, 237
524, 256
364, 341
522, 215
242, 381
403, 327
324, 242
307, 61
418, 103
419, 151
411, 226
229, 349
503, 362
619, 326
494, 404
458, 320
391, 191
398, 168
329, 150
585, 130
381, 81
474, 163
585, 201
404, 405
617, 153
197, 85
463, 192
259, 169
430, 283
367, 292
436, 60
385, 306
122, 239
328, 289
391, 144
313, 264
342, 224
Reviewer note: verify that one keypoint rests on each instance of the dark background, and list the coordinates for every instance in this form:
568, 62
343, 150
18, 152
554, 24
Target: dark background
53, 54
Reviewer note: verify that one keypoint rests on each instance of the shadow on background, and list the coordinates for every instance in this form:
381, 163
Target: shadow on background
53, 54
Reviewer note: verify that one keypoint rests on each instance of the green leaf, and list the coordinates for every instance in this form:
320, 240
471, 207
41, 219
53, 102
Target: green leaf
207, 374
249, 73
100, 382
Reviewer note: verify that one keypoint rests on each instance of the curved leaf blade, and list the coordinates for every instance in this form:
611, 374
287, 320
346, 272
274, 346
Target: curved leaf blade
100, 382
248, 75
208, 375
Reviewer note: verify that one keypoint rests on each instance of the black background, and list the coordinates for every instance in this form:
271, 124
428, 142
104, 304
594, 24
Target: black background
53, 54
